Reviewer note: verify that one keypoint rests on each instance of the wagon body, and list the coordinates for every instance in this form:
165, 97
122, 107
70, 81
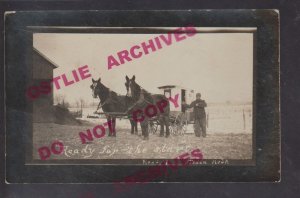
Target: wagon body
180, 117
184, 95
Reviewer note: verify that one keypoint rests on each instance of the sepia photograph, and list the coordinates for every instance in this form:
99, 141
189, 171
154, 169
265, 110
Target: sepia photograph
143, 96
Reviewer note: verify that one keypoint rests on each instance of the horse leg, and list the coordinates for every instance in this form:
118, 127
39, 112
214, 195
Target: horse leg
144, 126
161, 123
114, 127
132, 126
146, 129
109, 122
167, 123
136, 128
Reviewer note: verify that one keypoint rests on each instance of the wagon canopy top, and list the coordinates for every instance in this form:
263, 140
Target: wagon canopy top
167, 87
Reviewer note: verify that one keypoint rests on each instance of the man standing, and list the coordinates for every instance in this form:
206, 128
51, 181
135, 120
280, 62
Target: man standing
199, 115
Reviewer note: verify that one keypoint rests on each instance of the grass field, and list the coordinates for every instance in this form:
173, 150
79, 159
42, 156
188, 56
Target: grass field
126, 146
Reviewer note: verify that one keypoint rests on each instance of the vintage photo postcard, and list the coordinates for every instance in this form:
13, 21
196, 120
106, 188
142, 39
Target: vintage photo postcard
172, 95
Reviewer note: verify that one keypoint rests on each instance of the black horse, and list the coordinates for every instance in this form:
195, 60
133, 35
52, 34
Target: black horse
111, 102
142, 99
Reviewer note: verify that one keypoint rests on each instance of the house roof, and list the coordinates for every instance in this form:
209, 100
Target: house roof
54, 65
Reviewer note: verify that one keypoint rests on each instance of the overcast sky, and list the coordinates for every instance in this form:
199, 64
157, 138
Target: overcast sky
219, 65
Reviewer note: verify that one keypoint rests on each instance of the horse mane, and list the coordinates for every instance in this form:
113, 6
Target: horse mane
147, 95
107, 92
150, 97
121, 102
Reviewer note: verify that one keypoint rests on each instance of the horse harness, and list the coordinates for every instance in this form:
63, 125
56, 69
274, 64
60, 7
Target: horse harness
105, 102
135, 104
140, 100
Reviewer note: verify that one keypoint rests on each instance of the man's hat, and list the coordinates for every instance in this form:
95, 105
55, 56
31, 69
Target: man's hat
198, 95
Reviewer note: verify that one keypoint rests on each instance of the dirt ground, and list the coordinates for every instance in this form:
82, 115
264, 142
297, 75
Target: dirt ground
127, 146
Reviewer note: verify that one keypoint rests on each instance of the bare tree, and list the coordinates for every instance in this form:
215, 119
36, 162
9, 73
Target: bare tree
66, 104
59, 99
82, 103
77, 103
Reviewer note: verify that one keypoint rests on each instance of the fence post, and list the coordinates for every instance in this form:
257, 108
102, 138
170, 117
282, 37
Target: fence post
244, 119
207, 118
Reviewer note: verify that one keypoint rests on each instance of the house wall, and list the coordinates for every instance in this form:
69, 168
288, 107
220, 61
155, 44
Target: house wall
43, 105
42, 69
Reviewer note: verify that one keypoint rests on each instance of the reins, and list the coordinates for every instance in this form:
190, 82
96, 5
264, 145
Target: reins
100, 105
139, 101
104, 103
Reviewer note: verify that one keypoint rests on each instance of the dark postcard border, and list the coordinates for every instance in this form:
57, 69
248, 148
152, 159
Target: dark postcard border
266, 86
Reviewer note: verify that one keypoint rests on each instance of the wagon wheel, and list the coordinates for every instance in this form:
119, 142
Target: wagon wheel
182, 125
177, 125
182, 129
171, 125
173, 129
152, 126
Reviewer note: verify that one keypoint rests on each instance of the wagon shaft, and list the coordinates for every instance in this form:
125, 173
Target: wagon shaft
115, 114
